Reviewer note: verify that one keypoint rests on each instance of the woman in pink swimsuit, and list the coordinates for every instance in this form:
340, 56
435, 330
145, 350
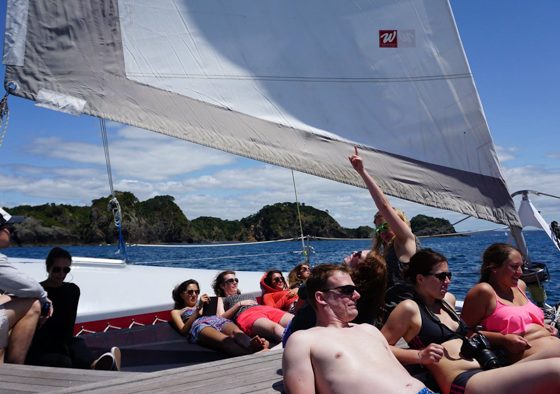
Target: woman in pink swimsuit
508, 318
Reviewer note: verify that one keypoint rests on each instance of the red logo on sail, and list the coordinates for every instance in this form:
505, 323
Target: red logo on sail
388, 39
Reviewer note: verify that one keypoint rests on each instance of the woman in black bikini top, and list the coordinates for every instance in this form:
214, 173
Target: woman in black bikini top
434, 333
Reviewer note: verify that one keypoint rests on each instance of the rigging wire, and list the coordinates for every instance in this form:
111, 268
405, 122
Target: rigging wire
113, 205
303, 248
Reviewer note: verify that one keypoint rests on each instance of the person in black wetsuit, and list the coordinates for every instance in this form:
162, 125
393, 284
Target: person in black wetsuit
435, 335
54, 343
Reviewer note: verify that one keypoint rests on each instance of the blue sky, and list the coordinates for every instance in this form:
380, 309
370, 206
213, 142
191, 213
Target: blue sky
513, 50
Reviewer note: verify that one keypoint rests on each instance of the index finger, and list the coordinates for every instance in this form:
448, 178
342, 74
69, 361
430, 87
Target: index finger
355, 150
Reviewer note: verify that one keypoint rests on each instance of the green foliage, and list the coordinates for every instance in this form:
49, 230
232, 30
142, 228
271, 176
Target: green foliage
160, 220
426, 225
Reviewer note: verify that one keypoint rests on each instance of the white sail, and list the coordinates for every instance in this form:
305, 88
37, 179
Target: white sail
290, 82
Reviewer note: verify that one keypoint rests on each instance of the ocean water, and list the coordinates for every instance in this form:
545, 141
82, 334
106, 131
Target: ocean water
462, 252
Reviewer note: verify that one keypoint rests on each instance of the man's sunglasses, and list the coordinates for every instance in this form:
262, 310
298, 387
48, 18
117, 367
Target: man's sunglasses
346, 290
442, 275
381, 228
57, 270
231, 280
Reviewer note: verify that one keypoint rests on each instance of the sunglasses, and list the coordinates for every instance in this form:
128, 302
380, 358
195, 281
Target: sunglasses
442, 275
192, 292
278, 279
230, 281
56, 270
381, 228
304, 269
346, 290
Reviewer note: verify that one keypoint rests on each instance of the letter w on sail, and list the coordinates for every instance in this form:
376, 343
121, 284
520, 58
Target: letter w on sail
388, 39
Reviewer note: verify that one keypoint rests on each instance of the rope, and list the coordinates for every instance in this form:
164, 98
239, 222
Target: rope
303, 248
151, 262
113, 205
214, 245
4, 113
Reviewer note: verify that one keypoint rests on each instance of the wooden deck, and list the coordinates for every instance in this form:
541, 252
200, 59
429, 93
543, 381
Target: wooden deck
259, 373
31, 379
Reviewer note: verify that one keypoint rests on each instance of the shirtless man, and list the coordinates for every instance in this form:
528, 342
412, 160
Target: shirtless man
337, 356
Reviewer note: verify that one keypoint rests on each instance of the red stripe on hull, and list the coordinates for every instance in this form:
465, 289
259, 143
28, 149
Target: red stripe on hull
121, 322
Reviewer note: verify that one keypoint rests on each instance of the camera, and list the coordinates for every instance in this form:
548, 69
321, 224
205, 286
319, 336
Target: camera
478, 347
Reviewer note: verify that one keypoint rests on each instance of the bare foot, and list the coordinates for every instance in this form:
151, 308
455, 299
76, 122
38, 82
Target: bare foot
258, 344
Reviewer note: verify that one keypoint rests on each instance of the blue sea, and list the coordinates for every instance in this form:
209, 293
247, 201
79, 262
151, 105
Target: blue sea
463, 253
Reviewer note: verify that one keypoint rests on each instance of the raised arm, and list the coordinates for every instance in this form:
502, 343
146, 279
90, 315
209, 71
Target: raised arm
297, 368
402, 231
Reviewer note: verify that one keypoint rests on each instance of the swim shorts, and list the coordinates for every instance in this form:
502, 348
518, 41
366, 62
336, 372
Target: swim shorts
426, 390
216, 322
4, 328
460, 382
248, 317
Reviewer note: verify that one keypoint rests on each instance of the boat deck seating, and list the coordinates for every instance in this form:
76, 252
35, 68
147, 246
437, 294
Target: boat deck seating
154, 347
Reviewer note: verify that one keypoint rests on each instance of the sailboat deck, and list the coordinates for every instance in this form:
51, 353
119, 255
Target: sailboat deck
257, 373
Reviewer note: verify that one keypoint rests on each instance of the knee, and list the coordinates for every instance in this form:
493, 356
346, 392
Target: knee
35, 308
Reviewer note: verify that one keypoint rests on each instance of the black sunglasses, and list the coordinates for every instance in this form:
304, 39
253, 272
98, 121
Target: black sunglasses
346, 290
442, 275
192, 292
278, 279
231, 280
56, 270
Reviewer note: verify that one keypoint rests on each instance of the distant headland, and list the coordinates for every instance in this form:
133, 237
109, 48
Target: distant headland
159, 220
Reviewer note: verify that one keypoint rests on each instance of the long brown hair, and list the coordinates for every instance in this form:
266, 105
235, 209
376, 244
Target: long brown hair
422, 263
219, 281
294, 278
494, 257
176, 293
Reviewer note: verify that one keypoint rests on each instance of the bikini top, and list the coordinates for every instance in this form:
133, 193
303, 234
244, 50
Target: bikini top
513, 319
433, 330
187, 312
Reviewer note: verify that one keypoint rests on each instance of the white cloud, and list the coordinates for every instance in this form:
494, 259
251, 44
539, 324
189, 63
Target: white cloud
207, 182
136, 153
505, 153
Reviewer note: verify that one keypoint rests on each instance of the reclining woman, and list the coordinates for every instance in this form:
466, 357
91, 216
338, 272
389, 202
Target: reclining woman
435, 335
211, 331
298, 275
253, 319
275, 291
499, 304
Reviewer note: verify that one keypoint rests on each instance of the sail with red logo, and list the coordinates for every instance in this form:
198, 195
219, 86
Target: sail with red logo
293, 83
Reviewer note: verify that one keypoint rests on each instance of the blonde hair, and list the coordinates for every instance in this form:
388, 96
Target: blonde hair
379, 246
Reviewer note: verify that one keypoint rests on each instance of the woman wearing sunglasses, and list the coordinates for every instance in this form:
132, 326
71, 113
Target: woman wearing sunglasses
298, 275
275, 291
252, 318
211, 331
393, 237
54, 343
499, 304
437, 339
